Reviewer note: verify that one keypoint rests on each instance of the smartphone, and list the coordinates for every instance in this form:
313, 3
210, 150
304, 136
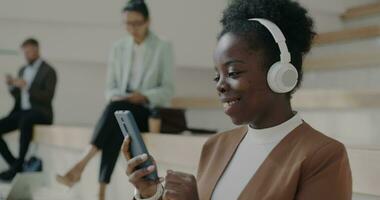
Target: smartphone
137, 147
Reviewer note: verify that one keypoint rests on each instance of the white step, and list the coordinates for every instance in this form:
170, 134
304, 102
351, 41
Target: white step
363, 21
340, 75
349, 34
353, 64
362, 15
357, 52
364, 161
49, 193
316, 99
355, 126
365, 78
335, 42
358, 196
360, 11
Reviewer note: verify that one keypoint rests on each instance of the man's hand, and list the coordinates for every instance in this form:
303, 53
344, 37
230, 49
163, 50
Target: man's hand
20, 83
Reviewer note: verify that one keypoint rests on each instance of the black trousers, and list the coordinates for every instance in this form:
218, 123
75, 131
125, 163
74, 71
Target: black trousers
24, 121
108, 137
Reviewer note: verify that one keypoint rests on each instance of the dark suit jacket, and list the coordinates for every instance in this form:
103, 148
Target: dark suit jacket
41, 91
305, 165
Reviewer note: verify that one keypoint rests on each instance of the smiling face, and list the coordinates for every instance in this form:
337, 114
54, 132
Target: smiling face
241, 81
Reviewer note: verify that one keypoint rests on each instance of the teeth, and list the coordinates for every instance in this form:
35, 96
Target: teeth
230, 103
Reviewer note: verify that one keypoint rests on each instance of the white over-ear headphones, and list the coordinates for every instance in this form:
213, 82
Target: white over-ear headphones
282, 76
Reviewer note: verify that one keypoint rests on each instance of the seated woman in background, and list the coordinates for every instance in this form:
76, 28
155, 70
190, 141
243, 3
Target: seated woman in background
275, 155
139, 78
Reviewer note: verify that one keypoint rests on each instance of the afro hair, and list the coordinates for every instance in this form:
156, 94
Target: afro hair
289, 16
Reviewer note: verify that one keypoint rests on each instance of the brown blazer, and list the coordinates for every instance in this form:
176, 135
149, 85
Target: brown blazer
305, 165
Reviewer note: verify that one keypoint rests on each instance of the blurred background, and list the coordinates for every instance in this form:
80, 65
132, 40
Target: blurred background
340, 94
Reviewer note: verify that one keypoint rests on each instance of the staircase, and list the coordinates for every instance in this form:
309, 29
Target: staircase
343, 84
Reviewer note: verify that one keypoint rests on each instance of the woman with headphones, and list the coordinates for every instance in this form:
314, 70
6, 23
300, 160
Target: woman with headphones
274, 155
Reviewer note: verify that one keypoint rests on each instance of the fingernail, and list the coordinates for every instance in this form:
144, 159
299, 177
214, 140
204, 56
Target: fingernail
144, 156
151, 168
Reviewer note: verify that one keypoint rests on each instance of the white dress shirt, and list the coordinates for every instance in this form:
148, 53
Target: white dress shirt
28, 76
251, 153
137, 66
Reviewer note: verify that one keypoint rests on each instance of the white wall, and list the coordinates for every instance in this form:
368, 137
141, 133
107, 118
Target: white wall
84, 30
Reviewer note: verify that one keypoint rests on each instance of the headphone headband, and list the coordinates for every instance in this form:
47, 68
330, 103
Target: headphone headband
278, 37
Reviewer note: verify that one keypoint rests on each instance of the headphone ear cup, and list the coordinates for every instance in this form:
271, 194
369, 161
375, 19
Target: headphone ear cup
282, 77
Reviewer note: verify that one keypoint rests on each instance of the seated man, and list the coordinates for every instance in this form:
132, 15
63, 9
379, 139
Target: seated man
33, 92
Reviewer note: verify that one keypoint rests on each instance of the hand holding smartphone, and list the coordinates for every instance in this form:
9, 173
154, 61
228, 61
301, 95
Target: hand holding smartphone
129, 128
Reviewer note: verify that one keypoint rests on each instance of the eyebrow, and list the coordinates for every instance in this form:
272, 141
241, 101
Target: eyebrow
233, 62
229, 63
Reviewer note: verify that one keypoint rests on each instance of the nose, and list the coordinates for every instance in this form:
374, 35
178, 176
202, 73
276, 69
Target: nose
221, 86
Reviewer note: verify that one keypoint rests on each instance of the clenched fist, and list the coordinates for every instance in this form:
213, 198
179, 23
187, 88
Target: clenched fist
180, 186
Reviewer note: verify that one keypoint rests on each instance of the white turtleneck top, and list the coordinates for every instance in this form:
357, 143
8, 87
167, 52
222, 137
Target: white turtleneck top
251, 153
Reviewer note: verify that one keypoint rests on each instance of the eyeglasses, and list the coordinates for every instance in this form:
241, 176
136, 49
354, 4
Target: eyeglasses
134, 24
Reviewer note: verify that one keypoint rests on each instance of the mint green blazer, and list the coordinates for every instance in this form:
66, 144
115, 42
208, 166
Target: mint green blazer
156, 81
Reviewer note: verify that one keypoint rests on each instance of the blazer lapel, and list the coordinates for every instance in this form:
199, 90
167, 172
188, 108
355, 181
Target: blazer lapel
125, 67
148, 56
229, 147
22, 70
39, 74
